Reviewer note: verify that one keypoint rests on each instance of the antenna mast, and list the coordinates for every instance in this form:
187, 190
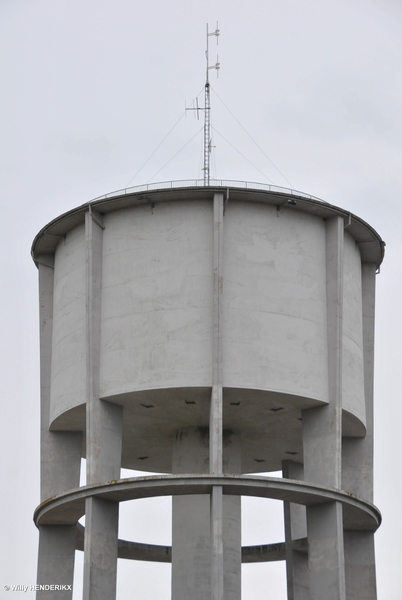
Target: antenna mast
207, 108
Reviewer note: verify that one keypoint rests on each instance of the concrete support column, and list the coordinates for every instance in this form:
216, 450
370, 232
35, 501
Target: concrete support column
297, 575
101, 540
325, 549
216, 409
322, 440
56, 559
357, 467
216, 499
190, 520
231, 526
360, 565
60, 458
191, 535
103, 438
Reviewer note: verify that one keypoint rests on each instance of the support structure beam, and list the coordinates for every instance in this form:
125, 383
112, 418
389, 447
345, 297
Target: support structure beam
60, 458
357, 469
297, 576
192, 527
56, 560
322, 439
103, 437
190, 519
100, 550
216, 409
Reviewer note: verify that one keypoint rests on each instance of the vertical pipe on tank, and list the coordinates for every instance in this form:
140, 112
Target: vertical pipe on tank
357, 465
322, 439
60, 455
103, 437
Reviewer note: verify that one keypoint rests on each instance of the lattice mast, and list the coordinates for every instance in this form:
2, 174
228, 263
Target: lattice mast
207, 107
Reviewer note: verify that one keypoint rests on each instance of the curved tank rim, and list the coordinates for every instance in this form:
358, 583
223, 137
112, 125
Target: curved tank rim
246, 191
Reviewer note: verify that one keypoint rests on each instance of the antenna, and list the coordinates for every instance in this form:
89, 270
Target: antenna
207, 115
207, 107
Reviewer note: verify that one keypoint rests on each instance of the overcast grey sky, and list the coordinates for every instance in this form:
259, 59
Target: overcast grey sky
89, 88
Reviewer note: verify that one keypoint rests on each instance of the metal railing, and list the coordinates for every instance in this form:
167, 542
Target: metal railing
250, 185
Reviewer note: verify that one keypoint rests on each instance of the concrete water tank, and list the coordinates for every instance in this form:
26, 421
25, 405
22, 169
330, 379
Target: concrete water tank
205, 333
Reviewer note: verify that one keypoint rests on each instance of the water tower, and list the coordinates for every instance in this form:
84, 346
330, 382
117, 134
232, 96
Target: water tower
209, 333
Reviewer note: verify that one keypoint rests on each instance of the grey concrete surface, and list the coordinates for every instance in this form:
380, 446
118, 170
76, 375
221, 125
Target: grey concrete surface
360, 571
297, 575
208, 333
56, 560
190, 520
69, 507
218, 565
192, 523
326, 552
163, 554
357, 461
322, 437
60, 456
100, 550
103, 436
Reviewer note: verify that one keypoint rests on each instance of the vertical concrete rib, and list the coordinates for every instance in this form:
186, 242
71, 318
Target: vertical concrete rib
357, 467
216, 412
60, 457
368, 309
216, 406
103, 437
297, 575
322, 439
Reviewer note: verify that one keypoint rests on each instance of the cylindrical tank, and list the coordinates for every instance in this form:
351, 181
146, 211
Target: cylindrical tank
206, 333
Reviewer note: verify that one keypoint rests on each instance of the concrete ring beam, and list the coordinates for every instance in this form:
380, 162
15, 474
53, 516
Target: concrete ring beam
68, 508
163, 554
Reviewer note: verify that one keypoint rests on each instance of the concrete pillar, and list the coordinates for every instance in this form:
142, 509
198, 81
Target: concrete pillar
191, 535
216, 412
101, 540
360, 565
216, 499
103, 438
357, 462
322, 440
56, 560
232, 519
325, 552
297, 575
216, 407
60, 458
190, 520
